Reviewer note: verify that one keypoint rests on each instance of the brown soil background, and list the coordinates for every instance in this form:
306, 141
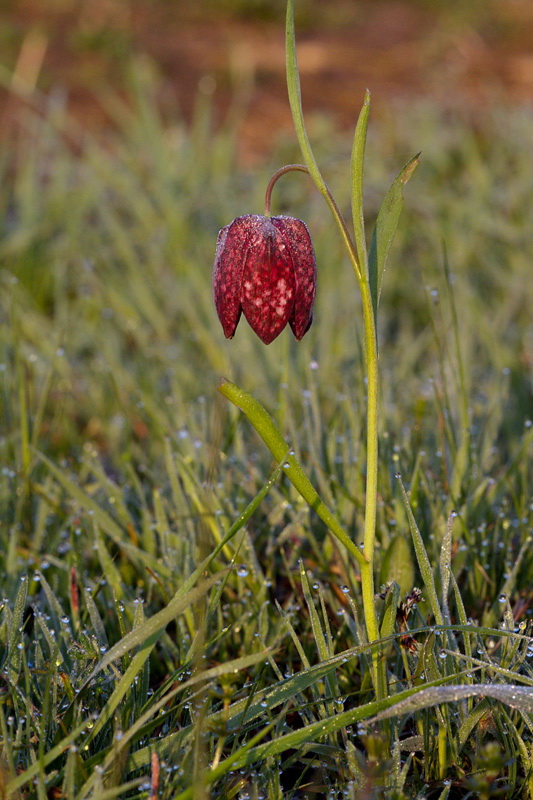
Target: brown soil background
468, 54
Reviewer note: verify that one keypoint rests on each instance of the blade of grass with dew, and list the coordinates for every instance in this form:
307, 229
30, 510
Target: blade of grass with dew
148, 633
136, 728
324, 728
519, 697
14, 654
32, 771
422, 558
318, 635
243, 712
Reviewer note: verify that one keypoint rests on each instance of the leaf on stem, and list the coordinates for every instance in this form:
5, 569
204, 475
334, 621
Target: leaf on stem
357, 167
385, 228
267, 430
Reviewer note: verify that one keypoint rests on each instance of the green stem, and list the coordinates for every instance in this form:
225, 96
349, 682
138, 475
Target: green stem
295, 102
371, 349
367, 568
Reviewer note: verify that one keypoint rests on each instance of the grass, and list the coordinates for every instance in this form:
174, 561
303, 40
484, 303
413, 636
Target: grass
175, 620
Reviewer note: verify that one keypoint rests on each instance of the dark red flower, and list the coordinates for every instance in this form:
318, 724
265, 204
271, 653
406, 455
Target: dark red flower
266, 268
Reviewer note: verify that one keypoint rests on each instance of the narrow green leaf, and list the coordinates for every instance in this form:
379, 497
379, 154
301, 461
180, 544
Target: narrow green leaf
385, 228
520, 697
15, 633
322, 728
392, 600
49, 757
295, 102
397, 564
423, 560
103, 519
267, 430
146, 634
445, 565
357, 167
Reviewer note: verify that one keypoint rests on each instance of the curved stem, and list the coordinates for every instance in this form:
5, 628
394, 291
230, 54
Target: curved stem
330, 200
274, 179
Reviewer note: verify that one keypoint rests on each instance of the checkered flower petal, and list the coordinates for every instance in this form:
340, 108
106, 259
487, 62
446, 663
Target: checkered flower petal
265, 267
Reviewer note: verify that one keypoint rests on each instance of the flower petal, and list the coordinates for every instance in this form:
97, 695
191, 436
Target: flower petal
268, 286
232, 243
296, 236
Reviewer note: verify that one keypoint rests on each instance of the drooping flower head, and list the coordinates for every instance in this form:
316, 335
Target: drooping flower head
266, 268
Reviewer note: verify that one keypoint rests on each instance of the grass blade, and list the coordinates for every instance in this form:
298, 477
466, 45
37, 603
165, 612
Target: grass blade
423, 560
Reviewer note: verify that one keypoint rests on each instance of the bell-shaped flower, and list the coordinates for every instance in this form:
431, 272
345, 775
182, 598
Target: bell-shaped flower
265, 267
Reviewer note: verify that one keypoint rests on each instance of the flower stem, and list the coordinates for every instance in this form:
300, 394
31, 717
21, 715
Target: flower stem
360, 268
366, 564
330, 200
367, 567
274, 179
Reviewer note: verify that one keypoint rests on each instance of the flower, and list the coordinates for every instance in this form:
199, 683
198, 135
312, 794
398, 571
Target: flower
266, 268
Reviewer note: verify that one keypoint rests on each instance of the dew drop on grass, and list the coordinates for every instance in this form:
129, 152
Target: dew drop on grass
502, 598
345, 589
286, 465
242, 570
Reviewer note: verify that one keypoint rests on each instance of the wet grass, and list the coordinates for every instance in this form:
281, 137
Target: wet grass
174, 619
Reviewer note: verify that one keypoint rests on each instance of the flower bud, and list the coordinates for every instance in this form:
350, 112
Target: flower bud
266, 268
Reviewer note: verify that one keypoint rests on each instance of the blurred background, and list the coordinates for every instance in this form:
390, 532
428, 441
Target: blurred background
464, 55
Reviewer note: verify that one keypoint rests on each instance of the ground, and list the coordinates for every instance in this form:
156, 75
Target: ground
466, 54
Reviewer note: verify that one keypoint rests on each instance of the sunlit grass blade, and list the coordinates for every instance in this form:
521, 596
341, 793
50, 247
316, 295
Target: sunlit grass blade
323, 728
520, 697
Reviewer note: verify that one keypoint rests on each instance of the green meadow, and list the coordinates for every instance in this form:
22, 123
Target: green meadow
175, 621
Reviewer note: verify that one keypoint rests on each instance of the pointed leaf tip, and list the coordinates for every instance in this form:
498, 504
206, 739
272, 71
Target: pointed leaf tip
407, 172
